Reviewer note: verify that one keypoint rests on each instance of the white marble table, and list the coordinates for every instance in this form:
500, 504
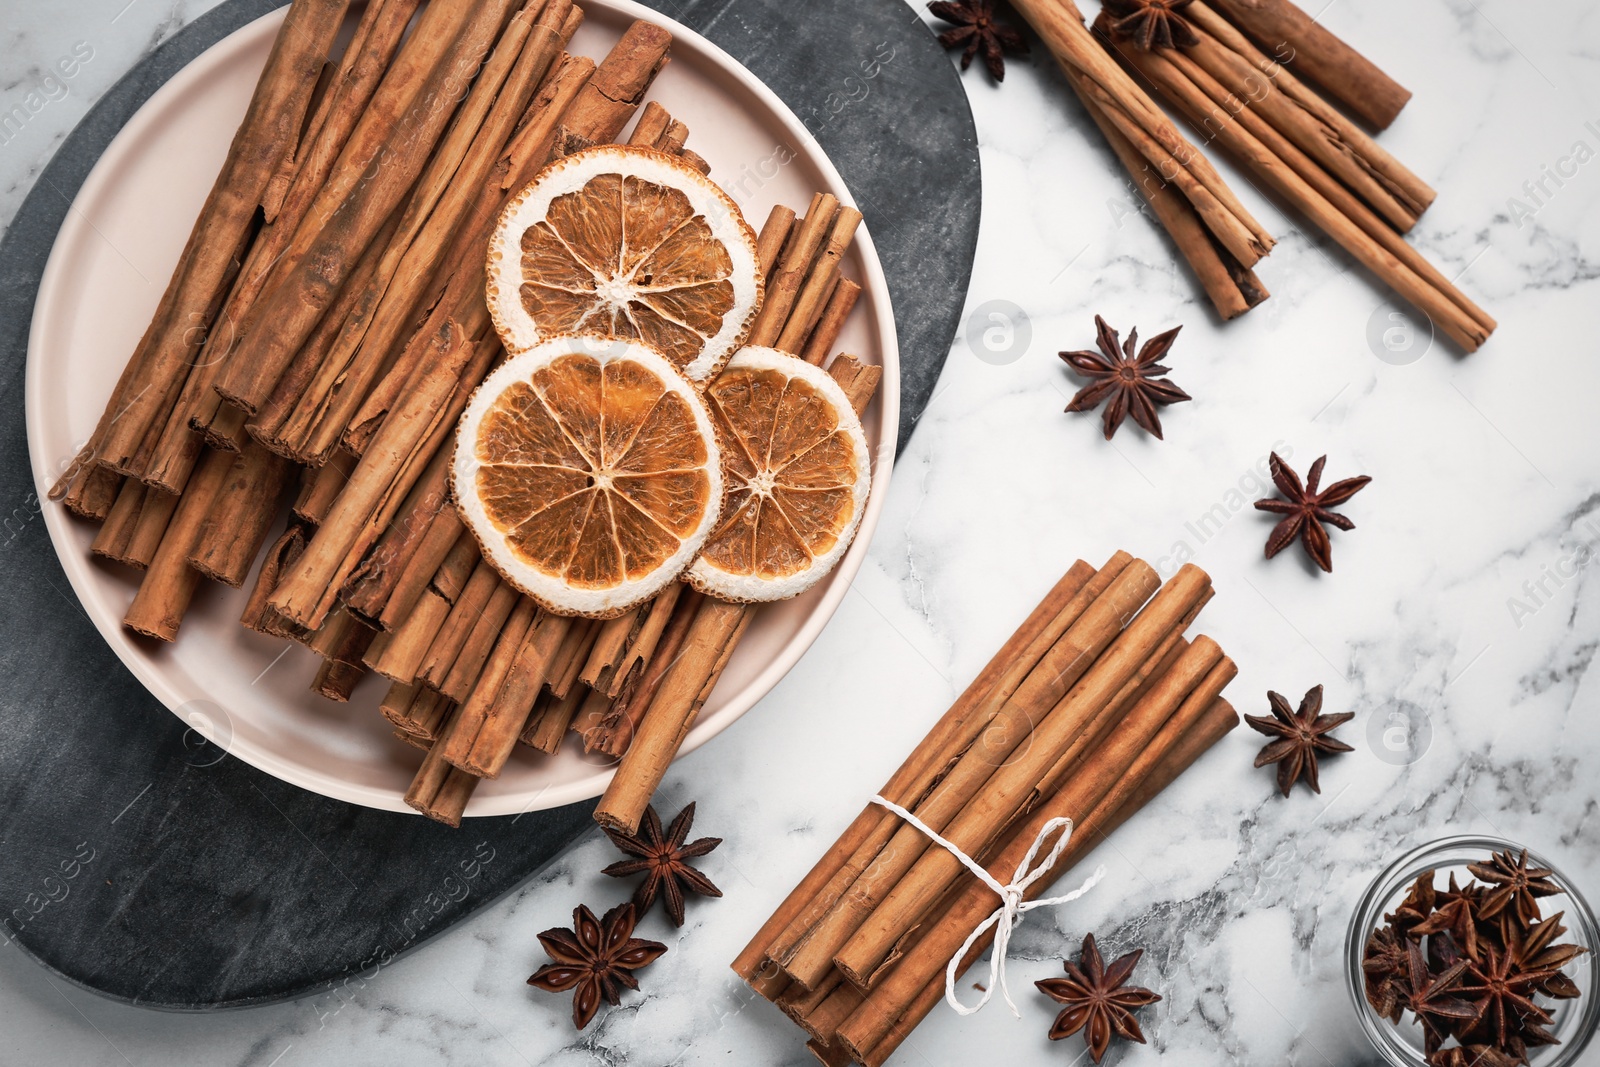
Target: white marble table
1462, 606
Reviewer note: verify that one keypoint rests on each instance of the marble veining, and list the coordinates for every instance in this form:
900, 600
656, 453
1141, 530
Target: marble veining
1463, 610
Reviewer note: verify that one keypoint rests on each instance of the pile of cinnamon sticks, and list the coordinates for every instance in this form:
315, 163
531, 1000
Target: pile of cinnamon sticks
320, 337
1094, 705
1235, 72
1300, 146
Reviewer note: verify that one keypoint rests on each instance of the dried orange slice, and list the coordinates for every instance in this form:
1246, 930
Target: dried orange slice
798, 474
628, 242
588, 469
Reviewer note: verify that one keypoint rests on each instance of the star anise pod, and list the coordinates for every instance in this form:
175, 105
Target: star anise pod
1097, 1000
1455, 912
1535, 951
1416, 907
1516, 886
1306, 510
1301, 735
595, 957
1133, 383
1384, 964
664, 859
1152, 23
1470, 1056
1501, 995
978, 29
1435, 999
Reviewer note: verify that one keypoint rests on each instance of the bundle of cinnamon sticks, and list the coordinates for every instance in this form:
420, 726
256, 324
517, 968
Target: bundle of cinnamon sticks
337, 272
1094, 706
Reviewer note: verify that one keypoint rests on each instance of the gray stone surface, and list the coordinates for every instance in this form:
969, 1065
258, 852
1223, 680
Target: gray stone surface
143, 863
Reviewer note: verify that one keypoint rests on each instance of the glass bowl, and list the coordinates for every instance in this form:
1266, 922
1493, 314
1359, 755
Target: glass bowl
1401, 1046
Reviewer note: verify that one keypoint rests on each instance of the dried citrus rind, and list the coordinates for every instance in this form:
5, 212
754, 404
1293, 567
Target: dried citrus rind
627, 242
588, 469
798, 472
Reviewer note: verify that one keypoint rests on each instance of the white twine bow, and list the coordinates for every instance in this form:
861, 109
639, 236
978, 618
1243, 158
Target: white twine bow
1012, 905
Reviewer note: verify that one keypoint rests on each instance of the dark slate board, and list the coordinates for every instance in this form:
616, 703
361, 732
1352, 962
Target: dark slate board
140, 861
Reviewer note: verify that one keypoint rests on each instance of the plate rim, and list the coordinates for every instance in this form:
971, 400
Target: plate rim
78, 566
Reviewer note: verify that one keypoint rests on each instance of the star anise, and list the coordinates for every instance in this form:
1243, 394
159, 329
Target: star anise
1417, 905
1454, 913
978, 29
1301, 735
1534, 951
1133, 383
1097, 1002
665, 860
596, 957
1384, 964
1501, 995
1152, 23
1516, 886
1306, 510
1435, 999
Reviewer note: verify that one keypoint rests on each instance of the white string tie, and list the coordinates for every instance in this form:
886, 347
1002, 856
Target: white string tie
1012, 905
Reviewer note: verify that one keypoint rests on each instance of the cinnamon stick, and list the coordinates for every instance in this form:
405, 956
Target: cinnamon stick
367, 589
641, 644
459, 280
466, 673
398, 654
437, 545
135, 525
1127, 107
336, 680
609, 100
465, 611
1340, 156
774, 232
241, 516
614, 733
783, 286
317, 495
289, 197
439, 790
169, 582
1405, 184
88, 491
548, 725
831, 323
659, 736
1294, 37
571, 657
344, 639
284, 551
610, 645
